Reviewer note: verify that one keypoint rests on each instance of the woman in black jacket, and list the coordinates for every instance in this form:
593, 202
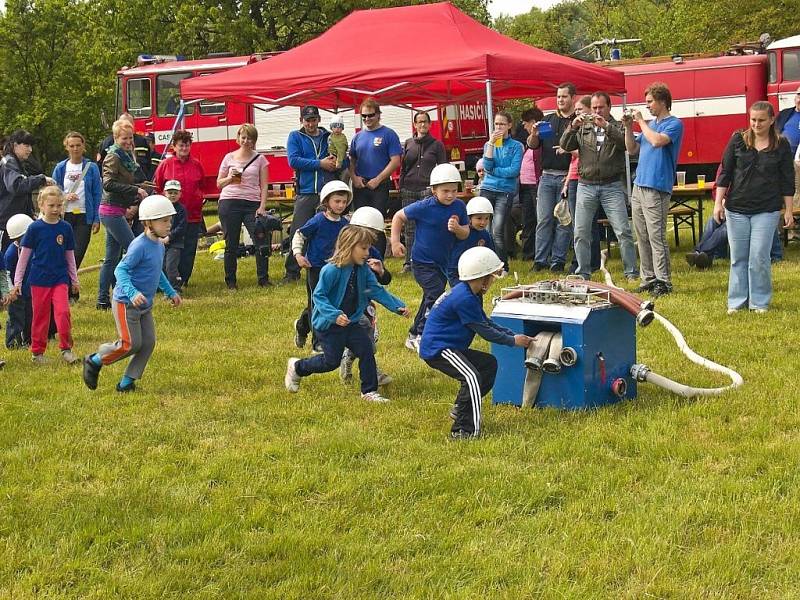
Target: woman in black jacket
758, 164
16, 183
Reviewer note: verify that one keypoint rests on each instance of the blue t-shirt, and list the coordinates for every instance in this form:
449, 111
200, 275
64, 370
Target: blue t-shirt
139, 271
50, 243
447, 322
11, 259
791, 130
477, 237
321, 234
657, 165
433, 243
372, 150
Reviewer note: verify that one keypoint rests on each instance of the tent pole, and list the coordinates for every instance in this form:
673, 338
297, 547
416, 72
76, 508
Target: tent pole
489, 113
627, 156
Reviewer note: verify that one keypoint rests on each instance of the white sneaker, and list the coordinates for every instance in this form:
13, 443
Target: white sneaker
758, 311
384, 378
412, 343
69, 357
733, 311
346, 367
373, 397
292, 379
39, 359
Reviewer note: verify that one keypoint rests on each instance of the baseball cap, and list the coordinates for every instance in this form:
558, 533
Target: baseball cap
172, 184
308, 112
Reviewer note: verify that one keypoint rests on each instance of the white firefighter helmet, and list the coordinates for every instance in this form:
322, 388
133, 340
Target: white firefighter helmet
368, 217
155, 207
17, 225
479, 206
445, 173
332, 187
478, 262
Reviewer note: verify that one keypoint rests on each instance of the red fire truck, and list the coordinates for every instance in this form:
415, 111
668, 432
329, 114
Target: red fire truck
712, 94
150, 92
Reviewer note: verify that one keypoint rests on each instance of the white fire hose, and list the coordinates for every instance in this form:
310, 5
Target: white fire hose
641, 372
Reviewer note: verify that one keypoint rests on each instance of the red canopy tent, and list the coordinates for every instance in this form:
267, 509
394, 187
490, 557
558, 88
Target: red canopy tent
412, 55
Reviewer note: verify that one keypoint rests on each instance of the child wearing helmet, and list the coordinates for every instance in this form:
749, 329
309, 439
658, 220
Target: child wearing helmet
138, 276
337, 142
20, 309
345, 287
441, 220
479, 211
49, 247
370, 219
318, 238
173, 242
452, 324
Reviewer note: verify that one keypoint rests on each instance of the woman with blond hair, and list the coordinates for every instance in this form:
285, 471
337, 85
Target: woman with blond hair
120, 197
243, 179
758, 164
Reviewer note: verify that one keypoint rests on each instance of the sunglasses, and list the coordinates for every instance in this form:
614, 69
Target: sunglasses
368, 115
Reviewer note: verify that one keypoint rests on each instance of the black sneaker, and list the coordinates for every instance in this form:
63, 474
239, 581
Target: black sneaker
290, 279
232, 286
131, 387
453, 414
103, 306
90, 373
691, 259
703, 261
660, 289
539, 266
557, 268
264, 283
461, 434
646, 286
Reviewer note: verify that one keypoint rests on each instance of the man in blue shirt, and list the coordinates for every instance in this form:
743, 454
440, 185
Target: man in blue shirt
658, 149
375, 153
309, 156
788, 124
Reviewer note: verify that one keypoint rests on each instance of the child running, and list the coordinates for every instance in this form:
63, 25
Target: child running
440, 220
49, 246
345, 287
371, 219
20, 310
479, 211
454, 320
319, 233
138, 276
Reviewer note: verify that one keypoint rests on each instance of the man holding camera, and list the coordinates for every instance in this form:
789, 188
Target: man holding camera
553, 239
600, 143
308, 154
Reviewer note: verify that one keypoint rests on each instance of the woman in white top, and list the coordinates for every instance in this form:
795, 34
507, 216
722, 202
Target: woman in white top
243, 180
79, 177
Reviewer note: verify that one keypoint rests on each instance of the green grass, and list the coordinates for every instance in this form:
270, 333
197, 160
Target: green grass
212, 481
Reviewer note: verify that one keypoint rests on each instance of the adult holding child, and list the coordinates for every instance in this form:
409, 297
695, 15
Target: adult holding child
79, 178
243, 179
375, 153
757, 163
119, 202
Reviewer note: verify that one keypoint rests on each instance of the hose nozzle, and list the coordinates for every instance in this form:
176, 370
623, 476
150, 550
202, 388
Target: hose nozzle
568, 356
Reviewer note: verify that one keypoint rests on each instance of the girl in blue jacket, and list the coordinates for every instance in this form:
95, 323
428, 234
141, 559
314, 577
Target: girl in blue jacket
346, 285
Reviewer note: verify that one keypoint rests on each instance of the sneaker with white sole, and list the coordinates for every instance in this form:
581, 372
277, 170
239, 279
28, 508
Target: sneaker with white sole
69, 357
373, 397
346, 367
412, 343
292, 379
39, 359
384, 378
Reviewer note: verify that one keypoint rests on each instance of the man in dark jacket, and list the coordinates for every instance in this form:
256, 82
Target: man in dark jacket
307, 150
141, 147
600, 142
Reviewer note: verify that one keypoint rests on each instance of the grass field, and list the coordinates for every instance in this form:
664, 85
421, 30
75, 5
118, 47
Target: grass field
212, 481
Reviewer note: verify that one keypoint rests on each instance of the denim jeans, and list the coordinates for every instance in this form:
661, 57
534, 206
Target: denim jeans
118, 237
502, 203
233, 213
611, 196
408, 197
553, 240
750, 238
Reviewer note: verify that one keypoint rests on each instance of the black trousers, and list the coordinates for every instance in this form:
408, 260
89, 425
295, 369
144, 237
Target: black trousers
83, 235
432, 280
305, 207
304, 323
18, 326
527, 198
377, 198
475, 371
233, 213
189, 251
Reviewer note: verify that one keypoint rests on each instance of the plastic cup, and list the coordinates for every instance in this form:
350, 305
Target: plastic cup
545, 130
701, 182
498, 143
681, 178
289, 192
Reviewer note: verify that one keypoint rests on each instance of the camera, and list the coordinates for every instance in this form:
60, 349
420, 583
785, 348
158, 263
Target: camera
588, 118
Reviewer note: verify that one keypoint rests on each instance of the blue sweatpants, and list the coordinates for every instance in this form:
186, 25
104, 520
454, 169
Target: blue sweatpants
432, 280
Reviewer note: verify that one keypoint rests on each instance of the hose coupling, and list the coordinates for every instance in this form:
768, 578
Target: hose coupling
640, 372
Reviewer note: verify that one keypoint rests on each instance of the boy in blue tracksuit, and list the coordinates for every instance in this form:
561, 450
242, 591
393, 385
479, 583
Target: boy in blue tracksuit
20, 311
318, 239
479, 211
346, 285
440, 221
453, 322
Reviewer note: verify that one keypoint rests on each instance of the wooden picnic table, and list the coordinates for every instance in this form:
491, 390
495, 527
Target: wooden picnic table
682, 199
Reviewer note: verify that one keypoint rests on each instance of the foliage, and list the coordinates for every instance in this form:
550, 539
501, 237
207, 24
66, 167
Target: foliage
211, 481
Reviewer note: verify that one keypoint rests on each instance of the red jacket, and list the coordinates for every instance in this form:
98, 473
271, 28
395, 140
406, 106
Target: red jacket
190, 174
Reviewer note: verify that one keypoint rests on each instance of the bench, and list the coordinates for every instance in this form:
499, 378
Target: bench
681, 215
795, 227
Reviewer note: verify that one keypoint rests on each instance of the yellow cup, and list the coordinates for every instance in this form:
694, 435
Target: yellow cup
701, 182
289, 192
498, 143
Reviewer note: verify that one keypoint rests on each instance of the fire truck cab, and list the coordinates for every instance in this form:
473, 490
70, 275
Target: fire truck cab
784, 71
